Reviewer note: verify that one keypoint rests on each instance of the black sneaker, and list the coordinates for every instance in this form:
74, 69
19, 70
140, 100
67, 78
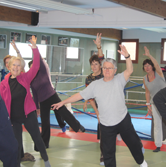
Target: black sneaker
157, 149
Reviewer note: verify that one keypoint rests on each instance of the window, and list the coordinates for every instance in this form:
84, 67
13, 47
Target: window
28, 36
16, 36
26, 52
132, 47
3, 39
72, 53
163, 51
74, 42
46, 40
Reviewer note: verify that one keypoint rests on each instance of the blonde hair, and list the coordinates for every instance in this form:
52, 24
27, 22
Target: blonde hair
17, 58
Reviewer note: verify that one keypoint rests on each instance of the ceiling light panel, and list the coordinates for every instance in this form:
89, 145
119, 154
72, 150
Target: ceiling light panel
17, 5
56, 6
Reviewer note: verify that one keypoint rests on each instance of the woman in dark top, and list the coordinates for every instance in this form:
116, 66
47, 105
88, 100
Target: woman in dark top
44, 93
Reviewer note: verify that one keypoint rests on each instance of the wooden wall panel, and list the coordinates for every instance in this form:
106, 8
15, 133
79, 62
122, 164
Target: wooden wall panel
154, 7
106, 32
15, 15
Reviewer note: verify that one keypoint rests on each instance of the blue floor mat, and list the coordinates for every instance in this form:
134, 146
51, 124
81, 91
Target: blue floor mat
142, 126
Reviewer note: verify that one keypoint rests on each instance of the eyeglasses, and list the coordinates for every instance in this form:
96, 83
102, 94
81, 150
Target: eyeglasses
148, 65
104, 68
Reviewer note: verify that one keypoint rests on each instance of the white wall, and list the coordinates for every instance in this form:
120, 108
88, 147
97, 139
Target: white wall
117, 17
143, 35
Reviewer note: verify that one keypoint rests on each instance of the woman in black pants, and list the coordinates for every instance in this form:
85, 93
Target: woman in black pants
45, 95
160, 102
15, 91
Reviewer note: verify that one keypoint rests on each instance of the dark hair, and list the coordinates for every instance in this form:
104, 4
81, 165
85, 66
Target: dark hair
148, 61
94, 58
30, 63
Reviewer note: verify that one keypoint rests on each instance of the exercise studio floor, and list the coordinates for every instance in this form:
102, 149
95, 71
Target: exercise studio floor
72, 149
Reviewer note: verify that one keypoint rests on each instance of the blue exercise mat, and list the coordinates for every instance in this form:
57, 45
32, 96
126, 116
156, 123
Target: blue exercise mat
142, 126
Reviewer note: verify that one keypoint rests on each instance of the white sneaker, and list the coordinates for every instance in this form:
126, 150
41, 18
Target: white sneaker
102, 163
144, 164
164, 142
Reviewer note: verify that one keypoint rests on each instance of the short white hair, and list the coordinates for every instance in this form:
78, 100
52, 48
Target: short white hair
110, 61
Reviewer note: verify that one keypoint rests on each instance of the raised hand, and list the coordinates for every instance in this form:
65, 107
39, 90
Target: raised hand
97, 42
123, 51
147, 53
14, 45
33, 41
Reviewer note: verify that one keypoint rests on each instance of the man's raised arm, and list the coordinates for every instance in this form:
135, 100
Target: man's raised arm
129, 64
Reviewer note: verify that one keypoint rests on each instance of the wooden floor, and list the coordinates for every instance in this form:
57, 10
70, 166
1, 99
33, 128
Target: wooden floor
72, 149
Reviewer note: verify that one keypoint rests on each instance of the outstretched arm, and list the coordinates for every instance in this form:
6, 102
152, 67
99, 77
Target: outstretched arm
71, 99
129, 65
147, 95
15, 48
97, 42
156, 65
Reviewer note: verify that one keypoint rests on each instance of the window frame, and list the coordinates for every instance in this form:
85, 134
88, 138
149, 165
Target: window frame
137, 48
5, 41
162, 51
73, 59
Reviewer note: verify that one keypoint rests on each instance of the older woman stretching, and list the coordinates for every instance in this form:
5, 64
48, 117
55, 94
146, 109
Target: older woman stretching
15, 91
154, 81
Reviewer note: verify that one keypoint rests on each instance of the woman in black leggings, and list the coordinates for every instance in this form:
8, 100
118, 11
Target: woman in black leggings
45, 95
15, 91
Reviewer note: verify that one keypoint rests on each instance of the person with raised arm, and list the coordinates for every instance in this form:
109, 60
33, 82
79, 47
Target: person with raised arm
95, 63
15, 91
153, 82
7, 58
114, 117
24, 156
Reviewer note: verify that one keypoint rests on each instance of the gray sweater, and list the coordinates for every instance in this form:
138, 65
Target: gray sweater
110, 99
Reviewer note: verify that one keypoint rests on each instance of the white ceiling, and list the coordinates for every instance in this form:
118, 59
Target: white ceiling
106, 15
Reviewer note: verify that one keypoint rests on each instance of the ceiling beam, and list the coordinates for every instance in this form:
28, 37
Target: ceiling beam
15, 15
106, 32
154, 7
